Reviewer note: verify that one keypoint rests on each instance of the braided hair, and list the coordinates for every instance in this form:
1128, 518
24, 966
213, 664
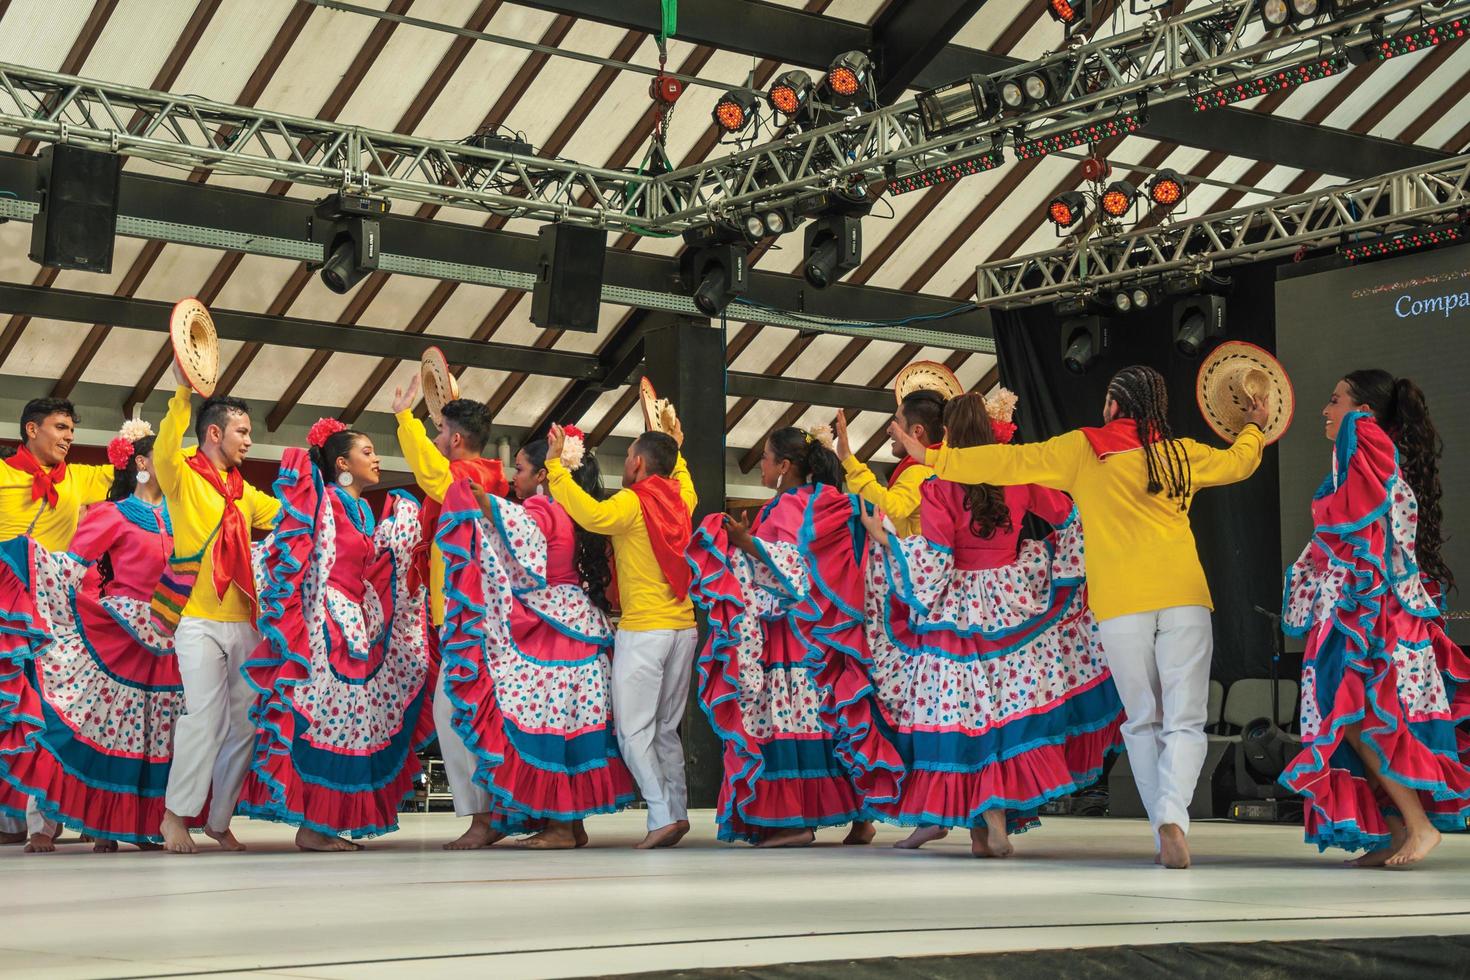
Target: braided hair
969, 425
592, 560
1400, 407
1141, 395
813, 461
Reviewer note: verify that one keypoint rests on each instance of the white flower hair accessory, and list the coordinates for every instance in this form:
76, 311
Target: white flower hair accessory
1000, 405
134, 430
573, 449
821, 434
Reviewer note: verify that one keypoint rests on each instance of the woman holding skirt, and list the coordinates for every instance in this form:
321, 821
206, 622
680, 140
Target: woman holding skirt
89, 686
344, 669
526, 652
783, 676
985, 656
1383, 687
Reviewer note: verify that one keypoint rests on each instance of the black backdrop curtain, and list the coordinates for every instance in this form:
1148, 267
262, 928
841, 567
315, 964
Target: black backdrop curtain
1237, 528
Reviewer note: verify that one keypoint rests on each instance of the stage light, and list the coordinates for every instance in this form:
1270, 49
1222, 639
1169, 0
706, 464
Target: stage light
1275, 13
1063, 12
944, 173
958, 105
1036, 87
1197, 321
1305, 9
1012, 95
734, 111
352, 238
789, 92
834, 247
1202, 97
1066, 209
1425, 37
714, 275
847, 79
1084, 339
1404, 241
1122, 301
1128, 122
1117, 198
1143, 297
1165, 189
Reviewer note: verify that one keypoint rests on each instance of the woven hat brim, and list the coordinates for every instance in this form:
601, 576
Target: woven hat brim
1227, 377
196, 345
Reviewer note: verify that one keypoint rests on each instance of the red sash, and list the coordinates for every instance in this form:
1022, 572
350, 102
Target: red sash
1118, 436
488, 473
669, 529
231, 554
43, 484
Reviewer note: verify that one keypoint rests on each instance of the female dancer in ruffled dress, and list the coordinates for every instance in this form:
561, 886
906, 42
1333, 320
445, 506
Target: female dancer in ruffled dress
344, 669
1383, 687
783, 676
89, 687
526, 644
985, 656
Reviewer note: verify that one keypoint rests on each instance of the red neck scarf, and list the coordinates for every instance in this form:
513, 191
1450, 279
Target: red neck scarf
904, 464
488, 473
231, 554
1118, 436
43, 484
669, 529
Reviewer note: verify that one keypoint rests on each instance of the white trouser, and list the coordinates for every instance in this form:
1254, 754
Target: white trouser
650, 689
12, 825
1160, 662
37, 824
215, 738
459, 761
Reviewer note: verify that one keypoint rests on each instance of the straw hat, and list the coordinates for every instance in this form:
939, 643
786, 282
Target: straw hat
927, 376
440, 386
1232, 376
658, 414
196, 345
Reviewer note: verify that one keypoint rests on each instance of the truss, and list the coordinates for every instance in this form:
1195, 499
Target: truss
1100, 86
1334, 216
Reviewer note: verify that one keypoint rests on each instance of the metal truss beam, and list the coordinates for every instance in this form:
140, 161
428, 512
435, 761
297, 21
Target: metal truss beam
1393, 202
263, 224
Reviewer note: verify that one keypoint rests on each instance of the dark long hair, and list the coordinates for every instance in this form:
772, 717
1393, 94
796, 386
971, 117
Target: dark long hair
1400, 407
1141, 395
124, 485
593, 565
969, 425
814, 461
337, 445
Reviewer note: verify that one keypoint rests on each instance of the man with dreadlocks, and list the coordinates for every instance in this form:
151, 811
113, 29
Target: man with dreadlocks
1133, 483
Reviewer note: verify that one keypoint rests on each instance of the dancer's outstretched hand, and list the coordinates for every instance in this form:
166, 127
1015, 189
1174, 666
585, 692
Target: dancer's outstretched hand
912, 446
737, 529
556, 439
839, 429
404, 398
1259, 411
873, 521
179, 375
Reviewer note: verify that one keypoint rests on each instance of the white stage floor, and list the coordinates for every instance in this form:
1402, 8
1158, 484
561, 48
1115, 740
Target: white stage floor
404, 905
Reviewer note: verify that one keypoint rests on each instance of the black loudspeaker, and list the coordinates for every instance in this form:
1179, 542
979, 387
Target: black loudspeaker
568, 291
78, 217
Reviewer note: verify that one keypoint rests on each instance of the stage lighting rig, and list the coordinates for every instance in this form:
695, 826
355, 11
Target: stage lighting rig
349, 228
849, 81
1197, 321
1404, 241
788, 94
1166, 190
1117, 199
920, 179
958, 105
834, 239
1407, 42
1084, 339
735, 111
1066, 209
1283, 13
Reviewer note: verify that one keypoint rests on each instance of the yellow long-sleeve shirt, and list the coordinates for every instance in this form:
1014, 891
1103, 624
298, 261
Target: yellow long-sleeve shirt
900, 501
644, 595
196, 508
53, 527
431, 472
1140, 550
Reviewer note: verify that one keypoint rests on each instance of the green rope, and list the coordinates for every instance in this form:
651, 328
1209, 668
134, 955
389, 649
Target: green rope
670, 20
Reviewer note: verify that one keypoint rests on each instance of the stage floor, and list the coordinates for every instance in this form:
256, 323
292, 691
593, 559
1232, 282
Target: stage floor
406, 905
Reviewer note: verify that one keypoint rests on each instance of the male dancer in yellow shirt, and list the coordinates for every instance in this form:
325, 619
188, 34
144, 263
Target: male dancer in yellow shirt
921, 415
212, 509
42, 496
650, 523
1133, 483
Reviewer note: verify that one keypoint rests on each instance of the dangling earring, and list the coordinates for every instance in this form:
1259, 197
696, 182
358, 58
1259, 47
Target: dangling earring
142, 477
344, 479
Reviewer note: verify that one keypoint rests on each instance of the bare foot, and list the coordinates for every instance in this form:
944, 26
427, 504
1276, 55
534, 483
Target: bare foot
225, 838
176, 834
1378, 857
980, 842
862, 832
556, 837
995, 834
480, 834
311, 840
922, 836
579, 833
683, 828
801, 837
40, 844
1415, 849
19, 837
104, 847
1173, 846
666, 836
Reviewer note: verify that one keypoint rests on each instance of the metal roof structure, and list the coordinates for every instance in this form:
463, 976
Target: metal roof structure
431, 70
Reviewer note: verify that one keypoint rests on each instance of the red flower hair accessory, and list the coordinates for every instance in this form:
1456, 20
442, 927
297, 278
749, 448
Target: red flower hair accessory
120, 452
322, 430
1004, 431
